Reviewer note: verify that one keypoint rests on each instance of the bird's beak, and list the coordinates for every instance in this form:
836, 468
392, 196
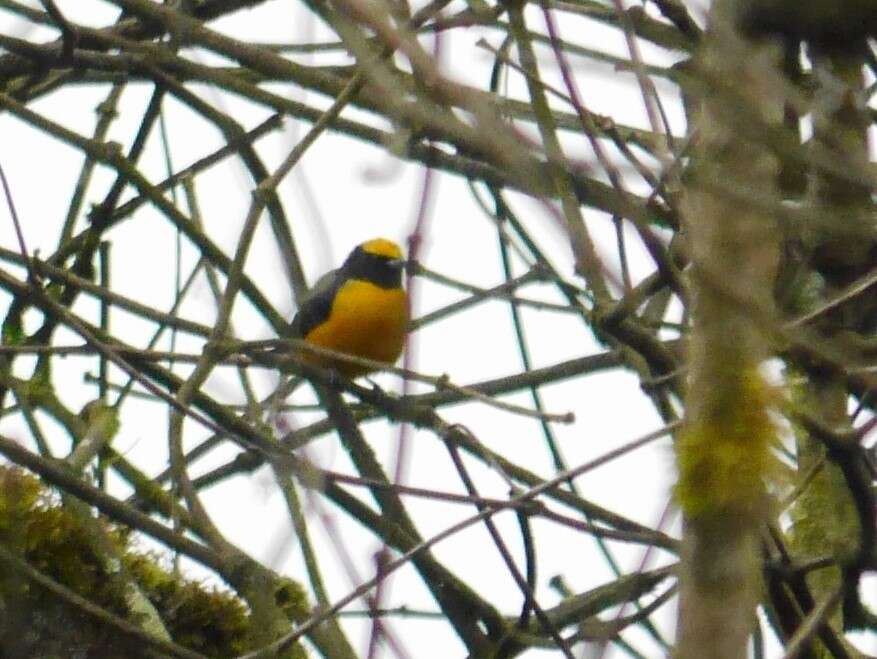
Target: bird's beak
397, 264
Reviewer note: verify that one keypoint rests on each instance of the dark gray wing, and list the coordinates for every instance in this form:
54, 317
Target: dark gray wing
316, 305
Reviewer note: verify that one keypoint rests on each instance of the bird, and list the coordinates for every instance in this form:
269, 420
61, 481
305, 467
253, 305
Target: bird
359, 309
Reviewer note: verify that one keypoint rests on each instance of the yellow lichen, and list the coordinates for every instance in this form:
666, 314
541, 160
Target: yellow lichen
725, 455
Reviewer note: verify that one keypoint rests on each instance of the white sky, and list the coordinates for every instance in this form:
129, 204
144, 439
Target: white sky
342, 193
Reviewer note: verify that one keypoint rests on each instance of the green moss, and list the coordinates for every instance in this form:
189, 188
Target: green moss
13, 330
292, 600
36, 526
212, 621
724, 455
39, 387
824, 517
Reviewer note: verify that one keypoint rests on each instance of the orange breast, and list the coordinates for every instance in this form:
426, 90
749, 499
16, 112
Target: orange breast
366, 321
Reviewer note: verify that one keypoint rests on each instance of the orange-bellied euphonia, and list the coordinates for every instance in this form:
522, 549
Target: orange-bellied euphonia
359, 309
